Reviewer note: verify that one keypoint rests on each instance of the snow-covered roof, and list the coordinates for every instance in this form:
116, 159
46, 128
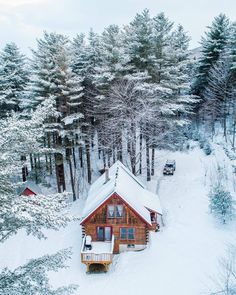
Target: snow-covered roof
32, 186
128, 187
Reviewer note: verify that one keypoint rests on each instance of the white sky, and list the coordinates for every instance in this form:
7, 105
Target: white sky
22, 21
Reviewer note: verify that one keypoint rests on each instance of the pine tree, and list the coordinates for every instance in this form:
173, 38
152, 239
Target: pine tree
87, 61
53, 76
161, 36
13, 79
217, 93
232, 51
114, 59
213, 44
221, 203
138, 44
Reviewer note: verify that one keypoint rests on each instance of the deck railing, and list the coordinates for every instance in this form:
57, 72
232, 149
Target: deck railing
91, 257
87, 257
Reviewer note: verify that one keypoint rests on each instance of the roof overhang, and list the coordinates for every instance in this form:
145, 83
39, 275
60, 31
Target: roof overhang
125, 201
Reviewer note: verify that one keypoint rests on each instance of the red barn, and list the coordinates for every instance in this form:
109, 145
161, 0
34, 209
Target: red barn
118, 215
30, 189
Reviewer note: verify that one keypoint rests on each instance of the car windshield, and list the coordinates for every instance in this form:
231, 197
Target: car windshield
169, 165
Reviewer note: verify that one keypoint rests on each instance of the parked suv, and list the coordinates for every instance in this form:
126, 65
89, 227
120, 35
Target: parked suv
169, 167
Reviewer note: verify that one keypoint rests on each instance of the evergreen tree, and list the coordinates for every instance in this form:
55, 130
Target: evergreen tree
53, 76
138, 44
232, 51
13, 79
221, 203
213, 44
87, 62
217, 93
114, 59
161, 36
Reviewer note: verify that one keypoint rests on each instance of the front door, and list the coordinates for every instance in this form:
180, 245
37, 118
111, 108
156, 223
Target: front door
104, 233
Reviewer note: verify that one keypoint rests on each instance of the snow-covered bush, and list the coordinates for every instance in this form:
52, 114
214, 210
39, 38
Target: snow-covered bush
205, 145
207, 148
221, 203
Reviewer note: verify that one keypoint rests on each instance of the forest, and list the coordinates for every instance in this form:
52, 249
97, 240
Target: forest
76, 106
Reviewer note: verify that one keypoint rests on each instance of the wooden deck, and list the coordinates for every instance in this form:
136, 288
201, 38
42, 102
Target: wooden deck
101, 253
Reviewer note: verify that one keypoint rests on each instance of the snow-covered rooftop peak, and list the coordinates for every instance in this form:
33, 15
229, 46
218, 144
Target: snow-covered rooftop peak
123, 182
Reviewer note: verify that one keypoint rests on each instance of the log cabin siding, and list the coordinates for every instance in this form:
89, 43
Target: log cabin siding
129, 220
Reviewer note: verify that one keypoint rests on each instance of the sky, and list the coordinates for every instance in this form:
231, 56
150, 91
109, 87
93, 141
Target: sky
22, 21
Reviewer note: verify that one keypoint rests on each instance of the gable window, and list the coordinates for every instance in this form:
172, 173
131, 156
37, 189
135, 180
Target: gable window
115, 211
119, 211
127, 233
111, 211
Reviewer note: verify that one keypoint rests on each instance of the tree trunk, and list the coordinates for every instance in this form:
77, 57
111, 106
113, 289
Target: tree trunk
119, 147
59, 166
104, 158
133, 148
153, 162
113, 152
50, 156
72, 179
24, 168
140, 151
81, 156
225, 121
89, 172
31, 162
36, 170
148, 159
233, 140
109, 157
73, 154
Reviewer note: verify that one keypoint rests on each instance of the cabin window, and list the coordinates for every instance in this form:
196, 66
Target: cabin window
130, 233
111, 211
119, 211
123, 233
115, 211
104, 233
127, 233
100, 233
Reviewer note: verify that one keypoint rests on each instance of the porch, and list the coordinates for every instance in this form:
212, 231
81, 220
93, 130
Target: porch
101, 253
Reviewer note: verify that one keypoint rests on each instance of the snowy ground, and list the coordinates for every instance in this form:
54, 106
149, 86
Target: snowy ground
182, 259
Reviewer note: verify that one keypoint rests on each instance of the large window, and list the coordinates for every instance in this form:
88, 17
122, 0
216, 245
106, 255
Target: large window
127, 233
115, 211
104, 233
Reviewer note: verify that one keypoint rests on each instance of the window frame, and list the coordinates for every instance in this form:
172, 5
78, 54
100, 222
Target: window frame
127, 237
108, 215
133, 233
116, 210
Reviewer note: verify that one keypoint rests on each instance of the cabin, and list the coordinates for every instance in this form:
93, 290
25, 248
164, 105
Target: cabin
29, 188
118, 216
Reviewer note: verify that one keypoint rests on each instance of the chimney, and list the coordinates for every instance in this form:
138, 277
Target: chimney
106, 174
